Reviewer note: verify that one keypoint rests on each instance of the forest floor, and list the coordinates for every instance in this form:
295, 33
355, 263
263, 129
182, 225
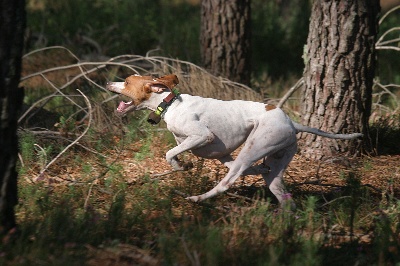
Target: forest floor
381, 174
132, 167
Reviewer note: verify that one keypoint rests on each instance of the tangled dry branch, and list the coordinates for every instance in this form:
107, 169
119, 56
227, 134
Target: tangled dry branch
61, 80
382, 44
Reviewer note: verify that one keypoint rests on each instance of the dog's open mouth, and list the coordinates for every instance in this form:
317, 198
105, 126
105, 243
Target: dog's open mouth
124, 106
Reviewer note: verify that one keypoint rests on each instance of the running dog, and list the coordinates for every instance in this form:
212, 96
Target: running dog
213, 129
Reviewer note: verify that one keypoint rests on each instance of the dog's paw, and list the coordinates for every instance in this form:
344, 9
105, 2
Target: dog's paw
194, 198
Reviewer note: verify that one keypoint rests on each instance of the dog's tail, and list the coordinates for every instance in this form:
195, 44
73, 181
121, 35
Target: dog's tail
301, 128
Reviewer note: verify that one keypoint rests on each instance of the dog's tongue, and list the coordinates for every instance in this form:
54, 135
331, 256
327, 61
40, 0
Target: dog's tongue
123, 105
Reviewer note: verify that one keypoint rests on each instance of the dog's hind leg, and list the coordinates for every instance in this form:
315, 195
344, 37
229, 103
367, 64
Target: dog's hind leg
252, 170
278, 163
235, 171
278, 140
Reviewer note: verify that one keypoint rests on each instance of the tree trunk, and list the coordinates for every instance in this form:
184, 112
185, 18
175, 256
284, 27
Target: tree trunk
12, 25
225, 38
339, 71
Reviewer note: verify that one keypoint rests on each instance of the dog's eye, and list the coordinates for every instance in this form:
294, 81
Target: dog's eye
126, 83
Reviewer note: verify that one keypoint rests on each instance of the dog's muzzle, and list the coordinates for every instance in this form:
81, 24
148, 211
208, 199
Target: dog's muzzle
115, 86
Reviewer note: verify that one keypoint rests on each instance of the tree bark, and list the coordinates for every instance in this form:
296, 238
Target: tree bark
225, 38
339, 70
12, 25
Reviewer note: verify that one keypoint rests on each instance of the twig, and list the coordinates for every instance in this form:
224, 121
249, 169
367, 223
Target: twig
379, 41
388, 48
390, 41
388, 13
108, 167
21, 160
35, 104
88, 196
43, 152
298, 84
97, 64
158, 63
60, 92
181, 193
41, 174
201, 203
50, 48
165, 173
193, 259
239, 196
336, 199
386, 90
57, 135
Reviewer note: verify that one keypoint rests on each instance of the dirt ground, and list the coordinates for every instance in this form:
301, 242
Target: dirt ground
380, 173
304, 177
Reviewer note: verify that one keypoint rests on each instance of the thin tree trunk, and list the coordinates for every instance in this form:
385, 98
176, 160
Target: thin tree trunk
225, 38
12, 25
339, 71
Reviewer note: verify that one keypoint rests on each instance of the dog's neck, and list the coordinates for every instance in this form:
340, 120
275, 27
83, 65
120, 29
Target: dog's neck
154, 100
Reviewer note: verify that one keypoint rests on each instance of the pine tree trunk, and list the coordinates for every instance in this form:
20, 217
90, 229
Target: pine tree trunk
12, 24
225, 38
339, 71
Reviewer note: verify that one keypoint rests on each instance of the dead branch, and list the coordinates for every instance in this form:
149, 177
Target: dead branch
156, 177
388, 13
240, 197
383, 45
201, 203
298, 84
57, 135
41, 174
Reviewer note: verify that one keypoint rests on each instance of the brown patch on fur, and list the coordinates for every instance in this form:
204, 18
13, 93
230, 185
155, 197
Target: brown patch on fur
270, 107
138, 88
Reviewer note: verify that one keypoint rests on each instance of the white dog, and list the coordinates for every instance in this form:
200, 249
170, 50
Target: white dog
213, 129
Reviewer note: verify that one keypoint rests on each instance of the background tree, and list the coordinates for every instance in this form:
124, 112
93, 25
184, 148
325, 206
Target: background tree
12, 24
339, 71
225, 38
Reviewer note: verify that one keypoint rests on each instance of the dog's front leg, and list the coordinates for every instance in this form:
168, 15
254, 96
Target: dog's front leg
191, 142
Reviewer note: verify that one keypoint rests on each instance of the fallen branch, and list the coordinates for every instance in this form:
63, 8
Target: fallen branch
388, 13
240, 197
201, 203
298, 84
164, 174
41, 174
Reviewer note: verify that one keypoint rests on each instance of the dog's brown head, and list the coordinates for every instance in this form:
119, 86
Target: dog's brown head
139, 89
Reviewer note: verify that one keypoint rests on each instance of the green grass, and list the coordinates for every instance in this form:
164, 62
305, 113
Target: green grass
58, 224
72, 223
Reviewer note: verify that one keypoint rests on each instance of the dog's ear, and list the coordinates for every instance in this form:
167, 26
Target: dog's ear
151, 87
158, 88
160, 84
169, 80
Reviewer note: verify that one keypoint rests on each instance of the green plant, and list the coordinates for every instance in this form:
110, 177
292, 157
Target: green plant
26, 146
367, 165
